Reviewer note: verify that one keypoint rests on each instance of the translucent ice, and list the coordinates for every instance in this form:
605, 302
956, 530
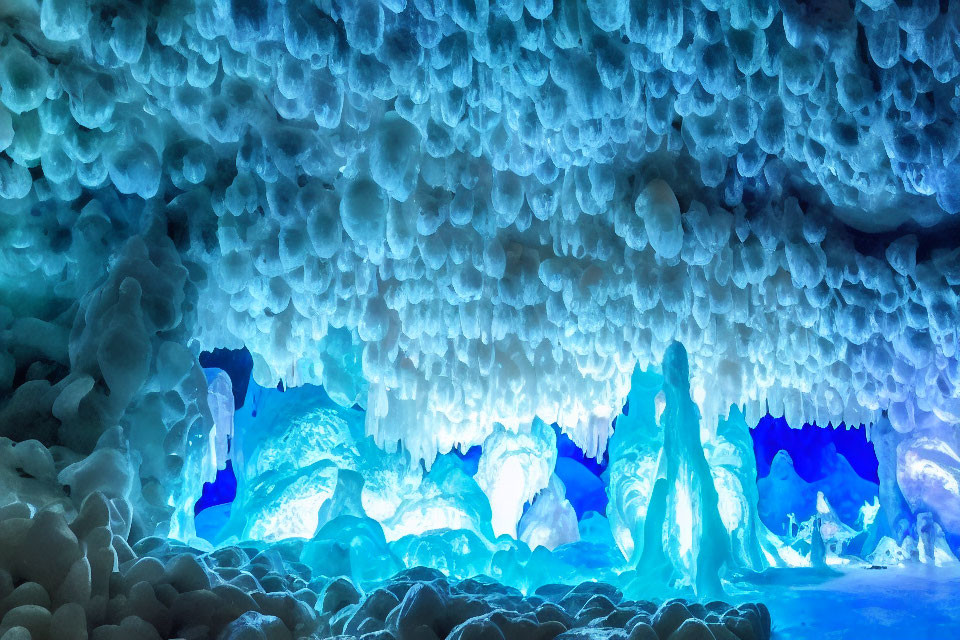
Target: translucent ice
551, 520
665, 509
513, 468
447, 498
696, 540
734, 468
928, 470
658, 208
287, 450
220, 399
634, 459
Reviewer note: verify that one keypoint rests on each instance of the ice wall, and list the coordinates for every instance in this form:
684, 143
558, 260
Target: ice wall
467, 214
288, 451
513, 468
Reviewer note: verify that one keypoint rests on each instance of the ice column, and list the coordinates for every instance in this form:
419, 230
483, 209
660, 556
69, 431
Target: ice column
696, 540
664, 506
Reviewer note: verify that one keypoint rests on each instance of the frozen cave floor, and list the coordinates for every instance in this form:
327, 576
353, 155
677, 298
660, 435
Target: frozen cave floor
77, 580
913, 601
80, 580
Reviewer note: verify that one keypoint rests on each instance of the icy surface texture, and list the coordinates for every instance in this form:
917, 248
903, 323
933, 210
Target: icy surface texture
896, 513
551, 520
306, 470
513, 468
466, 218
288, 451
75, 577
118, 358
447, 498
486, 213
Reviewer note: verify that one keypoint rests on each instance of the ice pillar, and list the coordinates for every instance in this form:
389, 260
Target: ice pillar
664, 504
696, 540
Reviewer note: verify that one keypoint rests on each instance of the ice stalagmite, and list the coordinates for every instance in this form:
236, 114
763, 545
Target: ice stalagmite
734, 468
664, 506
697, 541
634, 458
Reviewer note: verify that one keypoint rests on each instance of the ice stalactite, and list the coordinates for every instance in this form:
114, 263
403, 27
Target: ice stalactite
375, 198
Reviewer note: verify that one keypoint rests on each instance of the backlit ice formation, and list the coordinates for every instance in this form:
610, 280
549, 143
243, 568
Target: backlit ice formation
551, 520
288, 452
513, 469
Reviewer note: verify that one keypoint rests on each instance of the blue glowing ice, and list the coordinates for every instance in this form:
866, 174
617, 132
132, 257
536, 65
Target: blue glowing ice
462, 225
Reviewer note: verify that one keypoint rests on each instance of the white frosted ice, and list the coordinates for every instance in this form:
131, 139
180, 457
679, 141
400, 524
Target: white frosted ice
550, 521
513, 468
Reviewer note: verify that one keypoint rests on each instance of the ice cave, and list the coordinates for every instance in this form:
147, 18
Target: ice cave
479, 319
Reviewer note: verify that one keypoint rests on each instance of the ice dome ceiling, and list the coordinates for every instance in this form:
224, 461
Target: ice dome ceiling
459, 213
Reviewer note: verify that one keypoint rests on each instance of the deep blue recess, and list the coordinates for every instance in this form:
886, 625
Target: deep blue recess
221, 491
807, 446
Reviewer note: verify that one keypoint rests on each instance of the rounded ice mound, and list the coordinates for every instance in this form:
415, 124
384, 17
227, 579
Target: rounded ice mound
135, 170
23, 81
394, 163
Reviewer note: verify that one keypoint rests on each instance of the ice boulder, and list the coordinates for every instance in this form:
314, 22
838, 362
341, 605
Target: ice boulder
550, 521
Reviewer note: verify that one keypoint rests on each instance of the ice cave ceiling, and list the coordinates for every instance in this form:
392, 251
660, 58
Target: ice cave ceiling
471, 220
486, 213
